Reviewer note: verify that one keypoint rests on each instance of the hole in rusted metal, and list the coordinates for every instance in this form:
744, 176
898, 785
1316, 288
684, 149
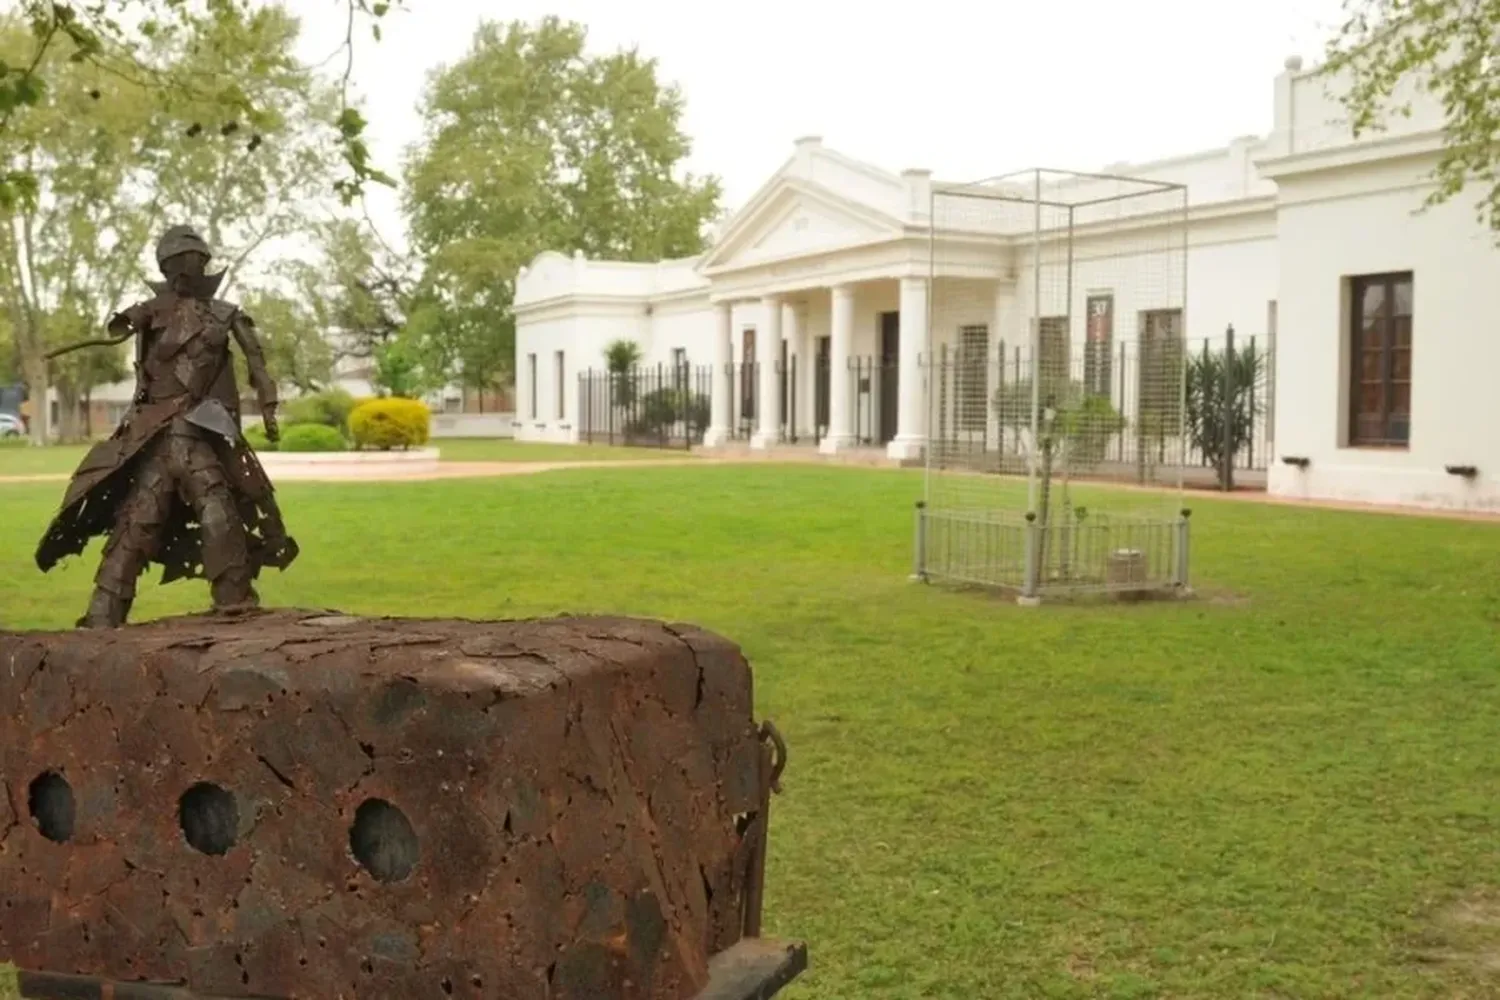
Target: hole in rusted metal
210, 818
52, 806
383, 841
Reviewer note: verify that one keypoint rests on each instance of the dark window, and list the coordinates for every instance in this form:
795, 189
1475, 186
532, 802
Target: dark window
1160, 387
973, 357
747, 373
1380, 311
1054, 359
1098, 352
531, 392
558, 360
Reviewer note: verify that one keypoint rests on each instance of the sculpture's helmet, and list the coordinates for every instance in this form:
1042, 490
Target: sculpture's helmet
180, 239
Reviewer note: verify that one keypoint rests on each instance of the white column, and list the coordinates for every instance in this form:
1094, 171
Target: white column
767, 354
840, 343
720, 387
911, 415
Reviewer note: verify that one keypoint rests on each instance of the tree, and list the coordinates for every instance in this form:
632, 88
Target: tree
112, 160
532, 144
296, 350
1450, 49
342, 306
108, 36
1209, 375
621, 355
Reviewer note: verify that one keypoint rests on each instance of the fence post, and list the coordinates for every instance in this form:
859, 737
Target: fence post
1181, 576
919, 550
1226, 456
586, 390
1029, 584
1250, 409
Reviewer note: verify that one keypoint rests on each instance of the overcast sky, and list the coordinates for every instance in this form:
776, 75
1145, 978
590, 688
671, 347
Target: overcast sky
965, 88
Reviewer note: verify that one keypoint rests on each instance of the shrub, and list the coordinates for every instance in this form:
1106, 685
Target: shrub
312, 437
390, 423
667, 406
331, 408
1207, 373
255, 436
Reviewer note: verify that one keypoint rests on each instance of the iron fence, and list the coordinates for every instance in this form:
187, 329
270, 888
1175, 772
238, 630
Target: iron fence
1220, 391
804, 392
661, 406
1081, 552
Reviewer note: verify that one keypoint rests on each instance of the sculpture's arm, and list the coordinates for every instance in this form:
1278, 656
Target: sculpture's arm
255, 360
133, 321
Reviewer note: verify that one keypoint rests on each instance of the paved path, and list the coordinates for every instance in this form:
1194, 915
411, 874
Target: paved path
478, 470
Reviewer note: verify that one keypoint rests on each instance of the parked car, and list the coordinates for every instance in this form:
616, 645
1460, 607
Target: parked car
11, 426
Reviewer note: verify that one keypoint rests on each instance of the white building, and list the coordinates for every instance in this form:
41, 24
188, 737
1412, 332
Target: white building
1307, 238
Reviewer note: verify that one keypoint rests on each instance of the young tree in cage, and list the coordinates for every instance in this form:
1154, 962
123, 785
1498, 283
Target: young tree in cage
1073, 428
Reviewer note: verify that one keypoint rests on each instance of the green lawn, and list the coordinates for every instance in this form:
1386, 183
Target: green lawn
25, 461
1285, 789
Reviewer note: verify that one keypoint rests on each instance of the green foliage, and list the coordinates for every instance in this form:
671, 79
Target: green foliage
255, 436
345, 303
384, 424
399, 370
1078, 426
95, 37
531, 143
621, 355
662, 408
312, 437
115, 155
1226, 799
1208, 373
330, 408
1450, 49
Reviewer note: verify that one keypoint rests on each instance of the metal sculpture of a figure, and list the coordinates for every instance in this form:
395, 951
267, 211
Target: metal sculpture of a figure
176, 483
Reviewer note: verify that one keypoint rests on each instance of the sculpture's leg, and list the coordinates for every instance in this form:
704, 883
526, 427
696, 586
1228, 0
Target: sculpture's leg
226, 559
132, 543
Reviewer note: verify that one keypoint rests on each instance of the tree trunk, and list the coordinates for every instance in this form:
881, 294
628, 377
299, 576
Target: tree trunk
67, 412
34, 368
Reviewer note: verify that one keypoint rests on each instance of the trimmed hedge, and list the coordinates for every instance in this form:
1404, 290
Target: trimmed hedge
312, 437
331, 408
255, 437
389, 423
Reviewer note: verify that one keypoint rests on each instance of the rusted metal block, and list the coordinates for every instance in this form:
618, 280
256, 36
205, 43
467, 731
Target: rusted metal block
304, 804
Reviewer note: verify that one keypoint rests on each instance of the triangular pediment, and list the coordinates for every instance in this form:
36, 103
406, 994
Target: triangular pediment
793, 218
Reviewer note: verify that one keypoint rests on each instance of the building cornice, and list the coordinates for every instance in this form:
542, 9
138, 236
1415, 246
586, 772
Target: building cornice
1368, 152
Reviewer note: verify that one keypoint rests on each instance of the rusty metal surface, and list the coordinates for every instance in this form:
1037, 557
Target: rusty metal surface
752, 969
176, 484
303, 804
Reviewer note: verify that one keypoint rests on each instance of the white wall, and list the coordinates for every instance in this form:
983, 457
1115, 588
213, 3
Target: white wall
1231, 275
1327, 235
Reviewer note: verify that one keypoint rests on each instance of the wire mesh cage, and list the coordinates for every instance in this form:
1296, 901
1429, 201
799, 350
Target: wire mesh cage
1056, 353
